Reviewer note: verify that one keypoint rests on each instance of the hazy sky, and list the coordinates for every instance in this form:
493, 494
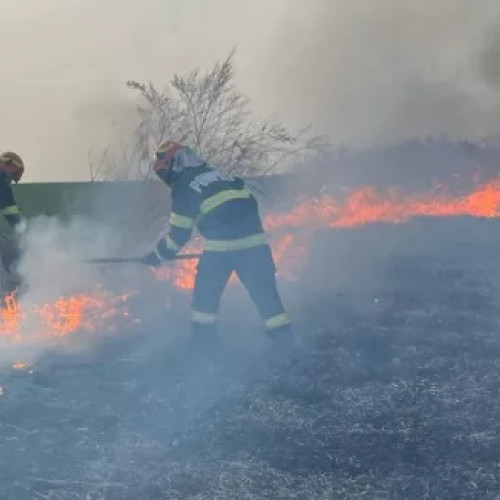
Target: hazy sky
359, 70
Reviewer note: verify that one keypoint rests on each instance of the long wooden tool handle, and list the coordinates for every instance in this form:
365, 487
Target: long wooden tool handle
124, 260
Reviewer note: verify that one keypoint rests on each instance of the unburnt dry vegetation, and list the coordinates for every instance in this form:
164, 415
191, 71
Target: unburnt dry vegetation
393, 393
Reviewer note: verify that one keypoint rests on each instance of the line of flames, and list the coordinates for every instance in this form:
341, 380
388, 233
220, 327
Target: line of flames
361, 206
94, 312
98, 311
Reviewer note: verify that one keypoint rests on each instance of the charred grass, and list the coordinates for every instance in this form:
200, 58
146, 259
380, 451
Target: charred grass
401, 402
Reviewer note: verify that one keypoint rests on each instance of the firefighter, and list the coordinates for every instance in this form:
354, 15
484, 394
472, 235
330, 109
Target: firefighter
226, 214
11, 170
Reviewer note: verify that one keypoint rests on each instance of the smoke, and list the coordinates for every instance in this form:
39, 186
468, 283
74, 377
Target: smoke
53, 262
384, 70
361, 72
67, 64
61, 290
53, 269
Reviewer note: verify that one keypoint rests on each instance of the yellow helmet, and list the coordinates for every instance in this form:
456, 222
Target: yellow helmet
12, 164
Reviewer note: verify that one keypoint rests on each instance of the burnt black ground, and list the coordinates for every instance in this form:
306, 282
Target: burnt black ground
394, 394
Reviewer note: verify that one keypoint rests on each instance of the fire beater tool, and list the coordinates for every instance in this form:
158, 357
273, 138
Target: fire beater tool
122, 260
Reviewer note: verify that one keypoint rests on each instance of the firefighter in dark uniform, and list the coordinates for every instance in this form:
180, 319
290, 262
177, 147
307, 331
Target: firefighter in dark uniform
11, 170
226, 214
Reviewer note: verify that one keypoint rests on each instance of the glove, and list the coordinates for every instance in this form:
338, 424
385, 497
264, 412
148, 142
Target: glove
151, 259
164, 252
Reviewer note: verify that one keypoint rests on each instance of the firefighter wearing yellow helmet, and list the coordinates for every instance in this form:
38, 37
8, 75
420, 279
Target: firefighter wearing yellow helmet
11, 170
226, 214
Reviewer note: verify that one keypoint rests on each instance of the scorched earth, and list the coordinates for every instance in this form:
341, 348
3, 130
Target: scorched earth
393, 394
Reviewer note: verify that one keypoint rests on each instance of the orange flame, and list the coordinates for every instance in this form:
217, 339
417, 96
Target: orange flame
181, 273
99, 311
10, 318
369, 205
361, 206
91, 313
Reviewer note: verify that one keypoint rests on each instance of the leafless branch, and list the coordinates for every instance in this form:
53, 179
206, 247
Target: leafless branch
206, 111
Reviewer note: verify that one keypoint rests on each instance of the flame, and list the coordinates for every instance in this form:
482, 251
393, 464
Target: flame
95, 312
181, 273
361, 206
292, 232
367, 205
90, 312
289, 252
10, 317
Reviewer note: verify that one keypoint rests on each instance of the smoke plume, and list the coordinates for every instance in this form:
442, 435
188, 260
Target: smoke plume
54, 273
385, 70
379, 70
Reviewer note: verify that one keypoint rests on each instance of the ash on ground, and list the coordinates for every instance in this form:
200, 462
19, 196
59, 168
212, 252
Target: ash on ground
394, 394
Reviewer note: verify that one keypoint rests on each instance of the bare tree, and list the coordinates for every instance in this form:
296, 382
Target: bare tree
206, 111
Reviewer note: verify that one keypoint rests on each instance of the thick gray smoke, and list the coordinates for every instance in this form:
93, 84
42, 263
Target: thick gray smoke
111, 220
53, 262
377, 70
52, 267
384, 70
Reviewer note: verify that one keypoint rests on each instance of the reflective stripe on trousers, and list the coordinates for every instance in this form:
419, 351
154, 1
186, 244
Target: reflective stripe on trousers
204, 318
256, 270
